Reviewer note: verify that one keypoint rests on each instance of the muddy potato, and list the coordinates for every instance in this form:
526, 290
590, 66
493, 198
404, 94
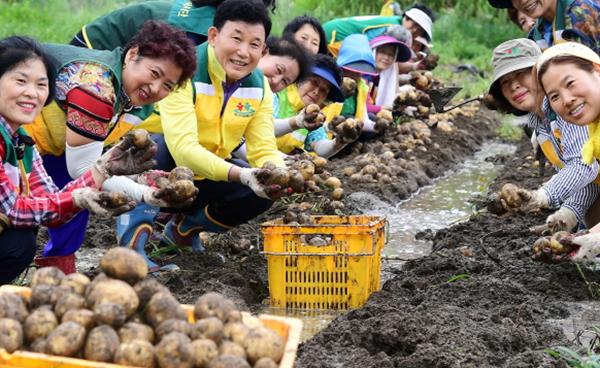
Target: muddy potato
183, 190
101, 344
231, 348
181, 173
369, 170
68, 301
114, 291
333, 183
136, 331
38, 346
101, 276
262, 342
228, 361
47, 276
203, 351
138, 353
146, 288
11, 334
319, 162
278, 176
307, 169
43, 295
163, 306
12, 306
233, 315
112, 314
236, 332
124, 264
172, 325
84, 317
140, 138
39, 324
296, 181
174, 351
337, 194
265, 363
66, 340
75, 282
510, 194
207, 328
212, 305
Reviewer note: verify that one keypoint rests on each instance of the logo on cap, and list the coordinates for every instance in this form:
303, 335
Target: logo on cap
513, 51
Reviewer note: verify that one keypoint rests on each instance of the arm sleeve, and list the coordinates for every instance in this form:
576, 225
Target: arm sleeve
124, 184
282, 127
89, 113
581, 200
180, 128
325, 148
260, 136
80, 159
575, 175
45, 205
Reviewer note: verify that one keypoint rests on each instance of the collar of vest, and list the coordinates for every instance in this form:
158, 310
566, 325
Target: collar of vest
293, 97
558, 23
11, 153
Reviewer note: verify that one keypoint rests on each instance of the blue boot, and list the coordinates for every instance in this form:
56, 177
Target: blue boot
134, 229
184, 230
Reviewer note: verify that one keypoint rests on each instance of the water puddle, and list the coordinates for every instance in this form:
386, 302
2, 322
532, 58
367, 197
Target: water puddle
434, 207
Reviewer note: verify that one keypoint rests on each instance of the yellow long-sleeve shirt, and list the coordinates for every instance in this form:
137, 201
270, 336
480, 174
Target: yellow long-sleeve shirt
201, 133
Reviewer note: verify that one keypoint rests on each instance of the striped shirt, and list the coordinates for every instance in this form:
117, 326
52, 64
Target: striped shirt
572, 184
45, 204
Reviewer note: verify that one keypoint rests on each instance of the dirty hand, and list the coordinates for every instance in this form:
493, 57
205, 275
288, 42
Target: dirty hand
514, 198
102, 203
161, 179
180, 193
348, 131
562, 220
348, 87
254, 179
310, 117
132, 155
589, 247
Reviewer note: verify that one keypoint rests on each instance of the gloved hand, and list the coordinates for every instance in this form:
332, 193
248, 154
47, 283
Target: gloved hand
346, 131
348, 87
102, 203
254, 179
310, 117
168, 189
554, 249
562, 220
589, 247
383, 121
132, 155
514, 198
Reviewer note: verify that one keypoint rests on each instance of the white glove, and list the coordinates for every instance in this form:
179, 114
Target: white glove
539, 199
250, 178
562, 220
589, 247
534, 144
177, 194
102, 203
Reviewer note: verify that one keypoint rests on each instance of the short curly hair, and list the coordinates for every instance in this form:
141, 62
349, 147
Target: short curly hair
159, 40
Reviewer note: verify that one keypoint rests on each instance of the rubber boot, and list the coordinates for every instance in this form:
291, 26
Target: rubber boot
134, 229
184, 230
65, 263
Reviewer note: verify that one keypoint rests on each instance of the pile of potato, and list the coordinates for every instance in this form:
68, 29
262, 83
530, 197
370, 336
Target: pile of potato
316, 177
412, 102
123, 317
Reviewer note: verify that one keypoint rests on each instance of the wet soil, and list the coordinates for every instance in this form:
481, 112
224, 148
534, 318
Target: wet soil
477, 301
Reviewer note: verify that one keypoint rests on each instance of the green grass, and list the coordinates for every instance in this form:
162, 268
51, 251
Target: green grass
509, 131
51, 20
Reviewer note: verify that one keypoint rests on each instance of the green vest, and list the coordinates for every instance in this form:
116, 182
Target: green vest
338, 29
117, 28
12, 168
559, 25
66, 54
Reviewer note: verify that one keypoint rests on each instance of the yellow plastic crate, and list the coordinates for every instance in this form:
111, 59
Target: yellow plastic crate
339, 275
290, 329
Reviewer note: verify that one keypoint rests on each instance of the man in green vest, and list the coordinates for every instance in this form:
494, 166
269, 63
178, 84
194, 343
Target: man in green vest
203, 122
116, 28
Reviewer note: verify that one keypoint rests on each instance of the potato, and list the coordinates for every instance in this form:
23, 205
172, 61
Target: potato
138, 353
231, 348
306, 169
66, 340
233, 315
88, 289
84, 317
12, 306
173, 325
278, 176
47, 276
265, 363
182, 190
39, 346
43, 295
11, 334
112, 314
75, 282
181, 173
369, 170
39, 324
68, 301
203, 351
124, 264
140, 138
296, 181
146, 288
337, 194
207, 328
213, 305
262, 342
228, 361
114, 291
116, 199
333, 183
511, 194
319, 162
101, 344
174, 350
136, 331
236, 332
163, 306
